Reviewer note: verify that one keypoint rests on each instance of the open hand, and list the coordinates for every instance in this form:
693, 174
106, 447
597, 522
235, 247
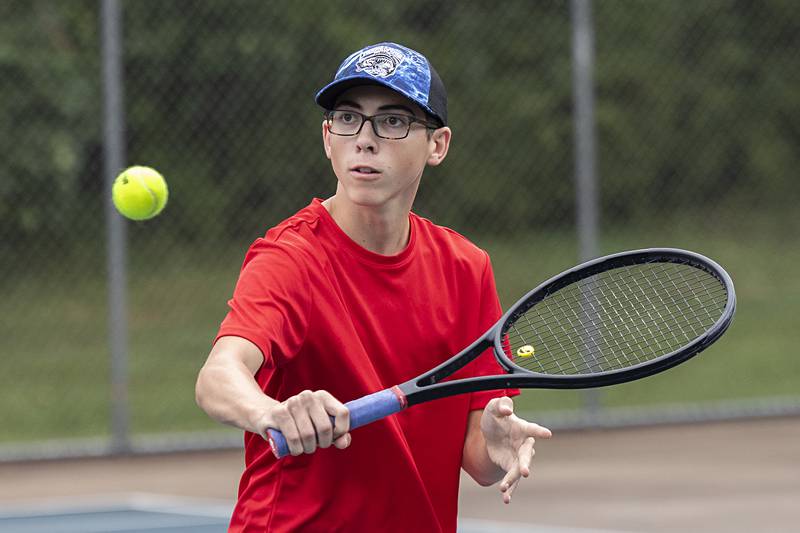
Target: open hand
509, 442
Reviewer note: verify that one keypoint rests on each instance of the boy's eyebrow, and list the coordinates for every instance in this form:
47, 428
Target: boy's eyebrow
392, 107
388, 107
348, 103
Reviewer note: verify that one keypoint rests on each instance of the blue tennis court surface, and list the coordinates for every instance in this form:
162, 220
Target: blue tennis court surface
117, 520
131, 515
150, 514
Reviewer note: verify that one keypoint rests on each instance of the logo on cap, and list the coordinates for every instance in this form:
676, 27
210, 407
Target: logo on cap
380, 61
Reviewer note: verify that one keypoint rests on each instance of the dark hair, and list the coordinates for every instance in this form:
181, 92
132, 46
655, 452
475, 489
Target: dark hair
433, 120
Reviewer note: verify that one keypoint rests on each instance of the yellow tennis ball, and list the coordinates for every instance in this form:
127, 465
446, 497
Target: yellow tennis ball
525, 351
139, 193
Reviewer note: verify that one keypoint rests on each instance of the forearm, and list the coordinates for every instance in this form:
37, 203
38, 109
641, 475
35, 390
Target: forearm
476, 461
229, 394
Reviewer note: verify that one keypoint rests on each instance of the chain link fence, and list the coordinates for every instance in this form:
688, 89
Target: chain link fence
697, 106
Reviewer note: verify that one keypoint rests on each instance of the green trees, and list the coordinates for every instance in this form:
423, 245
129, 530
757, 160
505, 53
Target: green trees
697, 103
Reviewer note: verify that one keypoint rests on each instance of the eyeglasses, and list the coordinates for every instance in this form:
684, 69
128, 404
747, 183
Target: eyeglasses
385, 125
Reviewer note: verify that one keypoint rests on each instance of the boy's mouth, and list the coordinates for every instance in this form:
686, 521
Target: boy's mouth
365, 170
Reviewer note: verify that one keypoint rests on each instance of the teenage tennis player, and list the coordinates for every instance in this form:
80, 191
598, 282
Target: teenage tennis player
353, 294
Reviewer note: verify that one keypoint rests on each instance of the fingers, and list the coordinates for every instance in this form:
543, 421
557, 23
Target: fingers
535, 430
512, 479
322, 424
341, 423
343, 441
305, 421
299, 407
521, 469
525, 456
279, 418
336, 409
509, 483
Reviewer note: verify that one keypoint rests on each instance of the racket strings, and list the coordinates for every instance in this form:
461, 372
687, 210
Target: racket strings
616, 319
658, 317
622, 343
625, 342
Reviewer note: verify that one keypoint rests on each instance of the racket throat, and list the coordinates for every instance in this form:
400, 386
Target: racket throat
454, 364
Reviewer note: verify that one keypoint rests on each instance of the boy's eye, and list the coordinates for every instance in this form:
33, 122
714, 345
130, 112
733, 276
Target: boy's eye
395, 121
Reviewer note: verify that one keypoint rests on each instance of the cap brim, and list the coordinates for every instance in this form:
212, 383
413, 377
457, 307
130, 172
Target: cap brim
327, 96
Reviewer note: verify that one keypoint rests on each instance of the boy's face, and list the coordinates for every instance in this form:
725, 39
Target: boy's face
376, 172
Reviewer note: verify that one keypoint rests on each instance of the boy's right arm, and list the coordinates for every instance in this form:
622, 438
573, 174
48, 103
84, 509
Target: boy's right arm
227, 391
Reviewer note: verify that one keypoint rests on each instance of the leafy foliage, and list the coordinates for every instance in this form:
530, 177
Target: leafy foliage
697, 105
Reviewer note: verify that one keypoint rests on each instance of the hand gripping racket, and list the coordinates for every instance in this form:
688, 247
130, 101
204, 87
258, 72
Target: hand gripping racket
610, 320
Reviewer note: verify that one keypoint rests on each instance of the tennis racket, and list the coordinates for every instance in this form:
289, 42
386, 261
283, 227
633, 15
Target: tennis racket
610, 320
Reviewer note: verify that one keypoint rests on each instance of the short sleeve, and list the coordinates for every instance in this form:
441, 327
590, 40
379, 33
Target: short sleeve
271, 301
486, 364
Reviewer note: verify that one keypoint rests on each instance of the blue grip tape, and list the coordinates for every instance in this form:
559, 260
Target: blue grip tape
373, 407
362, 411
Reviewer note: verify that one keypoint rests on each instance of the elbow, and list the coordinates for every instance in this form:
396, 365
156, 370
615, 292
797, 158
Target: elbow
200, 396
484, 481
481, 478
484, 475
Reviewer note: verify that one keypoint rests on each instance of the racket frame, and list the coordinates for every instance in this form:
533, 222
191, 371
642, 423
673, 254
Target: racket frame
429, 386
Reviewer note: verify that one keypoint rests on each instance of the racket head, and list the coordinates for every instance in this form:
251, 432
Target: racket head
617, 318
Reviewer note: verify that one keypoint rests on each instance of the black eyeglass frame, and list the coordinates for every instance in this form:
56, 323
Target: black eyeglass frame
371, 118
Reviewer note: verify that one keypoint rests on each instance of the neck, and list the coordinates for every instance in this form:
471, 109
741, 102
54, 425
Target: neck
381, 230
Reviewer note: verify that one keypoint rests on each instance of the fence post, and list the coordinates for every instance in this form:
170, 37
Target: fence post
586, 198
113, 161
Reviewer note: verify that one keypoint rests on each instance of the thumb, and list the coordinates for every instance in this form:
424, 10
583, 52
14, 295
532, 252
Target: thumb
500, 407
535, 430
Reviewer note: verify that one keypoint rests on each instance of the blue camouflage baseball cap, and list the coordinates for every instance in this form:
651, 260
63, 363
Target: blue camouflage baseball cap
394, 66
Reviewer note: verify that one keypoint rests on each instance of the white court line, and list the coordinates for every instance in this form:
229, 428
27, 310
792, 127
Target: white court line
216, 508
135, 501
473, 525
141, 512
161, 503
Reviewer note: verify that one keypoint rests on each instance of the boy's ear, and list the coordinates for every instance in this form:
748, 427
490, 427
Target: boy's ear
326, 139
439, 144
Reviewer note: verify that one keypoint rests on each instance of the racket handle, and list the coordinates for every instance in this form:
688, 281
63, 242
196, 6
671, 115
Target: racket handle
362, 411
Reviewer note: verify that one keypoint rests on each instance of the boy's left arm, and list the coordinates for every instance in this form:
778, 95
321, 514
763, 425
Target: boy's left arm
499, 445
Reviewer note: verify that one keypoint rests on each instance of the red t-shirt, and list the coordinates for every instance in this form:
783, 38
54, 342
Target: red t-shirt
329, 314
